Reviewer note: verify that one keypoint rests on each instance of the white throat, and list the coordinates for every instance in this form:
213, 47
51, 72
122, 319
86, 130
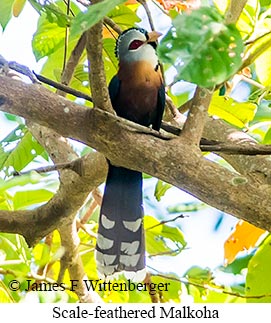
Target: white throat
144, 53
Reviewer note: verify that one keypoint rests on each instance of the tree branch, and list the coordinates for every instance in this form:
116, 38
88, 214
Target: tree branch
72, 261
212, 287
113, 25
97, 77
173, 161
63, 89
234, 10
74, 165
233, 149
195, 122
148, 12
73, 62
5, 66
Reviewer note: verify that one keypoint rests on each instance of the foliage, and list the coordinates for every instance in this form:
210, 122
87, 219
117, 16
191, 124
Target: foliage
203, 33
202, 49
259, 267
85, 20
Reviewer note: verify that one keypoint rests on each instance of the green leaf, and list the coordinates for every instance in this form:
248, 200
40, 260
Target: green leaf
24, 199
263, 68
260, 49
15, 134
248, 18
36, 5
41, 254
84, 20
5, 12
5, 296
202, 48
263, 113
156, 235
186, 207
174, 288
55, 14
199, 275
52, 67
236, 113
4, 203
237, 265
13, 117
48, 38
50, 33
52, 297
80, 80
3, 157
161, 189
123, 16
26, 150
179, 99
267, 137
265, 2
30, 178
15, 249
210, 296
258, 280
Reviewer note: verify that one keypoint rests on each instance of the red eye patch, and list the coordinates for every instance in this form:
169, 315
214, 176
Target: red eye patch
135, 44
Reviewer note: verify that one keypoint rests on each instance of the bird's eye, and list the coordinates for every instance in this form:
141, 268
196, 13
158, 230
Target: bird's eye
135, 44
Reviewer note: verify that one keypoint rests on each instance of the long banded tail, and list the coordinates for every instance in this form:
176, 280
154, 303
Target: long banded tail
120, 243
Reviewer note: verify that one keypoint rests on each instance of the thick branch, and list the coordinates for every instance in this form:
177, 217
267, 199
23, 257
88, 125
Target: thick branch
172, 161
258, 168
97, 77
234, 10
194, 125
72, 261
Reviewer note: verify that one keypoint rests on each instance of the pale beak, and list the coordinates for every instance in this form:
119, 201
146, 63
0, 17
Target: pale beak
153, 36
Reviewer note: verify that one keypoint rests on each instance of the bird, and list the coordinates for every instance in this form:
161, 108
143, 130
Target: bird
137, 93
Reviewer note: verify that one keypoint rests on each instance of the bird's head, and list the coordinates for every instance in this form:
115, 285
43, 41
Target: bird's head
136, 44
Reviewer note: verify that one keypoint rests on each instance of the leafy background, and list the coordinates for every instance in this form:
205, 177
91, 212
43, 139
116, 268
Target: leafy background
174, 220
